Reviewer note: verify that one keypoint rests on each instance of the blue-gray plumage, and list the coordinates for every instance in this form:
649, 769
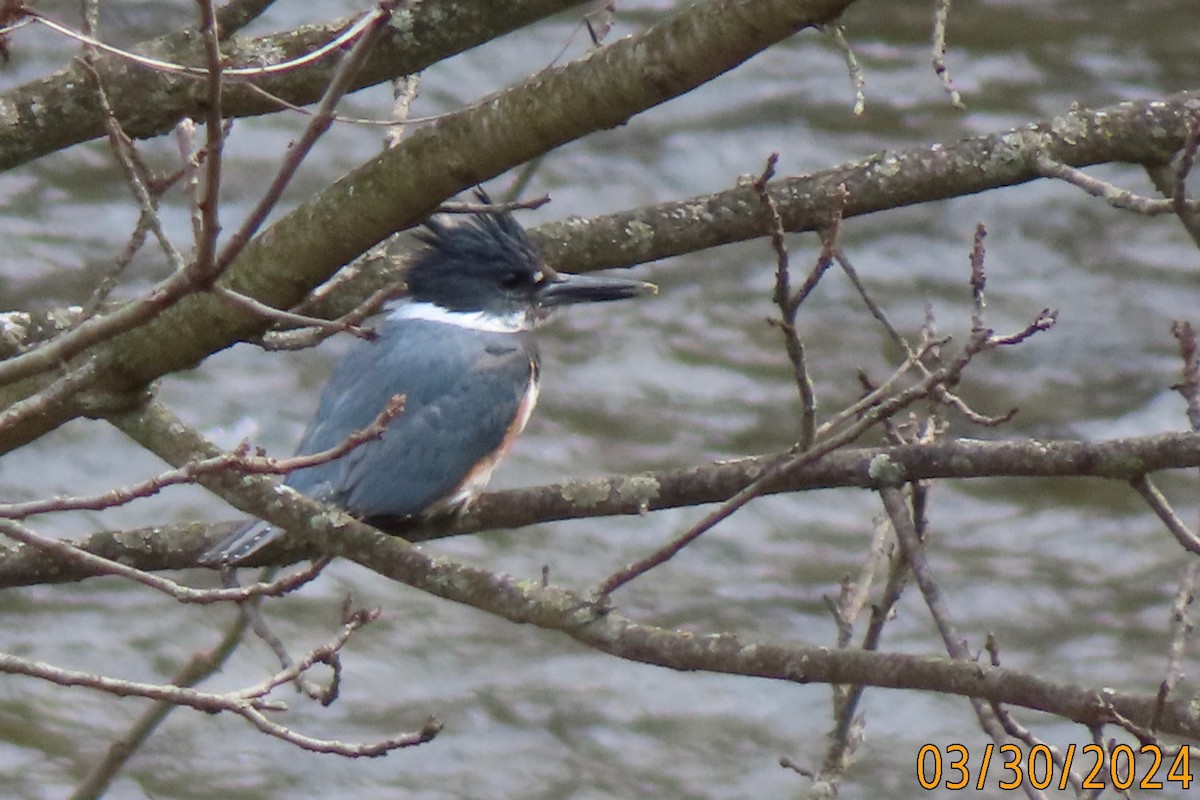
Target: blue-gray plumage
459, 349
460, 412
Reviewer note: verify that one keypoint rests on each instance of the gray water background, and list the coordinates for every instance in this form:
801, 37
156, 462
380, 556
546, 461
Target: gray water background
1074, 577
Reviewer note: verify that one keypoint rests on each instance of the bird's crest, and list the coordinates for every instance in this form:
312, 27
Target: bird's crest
486, 235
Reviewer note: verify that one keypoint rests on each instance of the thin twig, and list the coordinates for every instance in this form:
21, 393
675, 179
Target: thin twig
352, 32
524, 178
1181, 622
1182, 628
596, 30
203, 267
239, 460
310, 336
878, 394
787, 308
137, 176
99, 565
876, 311
190, 156
1019, 732
179, 695
198, 667
848, 724
837, 32
251, 615
1186, 537
264, 311
389, 122
404, 92
57, 392
352, 620
382, 747
913, 547
494, 207
248, 704
1189, 387
1114, 195
372, 26
948, 373
941, 19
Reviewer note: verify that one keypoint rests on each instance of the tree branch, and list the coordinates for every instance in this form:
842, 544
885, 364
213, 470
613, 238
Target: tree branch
403, 185
58, 111
1143, 132
607, 630
176, 547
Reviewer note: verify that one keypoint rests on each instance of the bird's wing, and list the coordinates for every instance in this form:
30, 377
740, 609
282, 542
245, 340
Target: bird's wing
463, 389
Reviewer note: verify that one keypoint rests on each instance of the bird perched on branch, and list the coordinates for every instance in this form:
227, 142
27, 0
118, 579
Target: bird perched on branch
459, 349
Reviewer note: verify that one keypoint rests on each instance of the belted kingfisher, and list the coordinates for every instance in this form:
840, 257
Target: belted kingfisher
460, 351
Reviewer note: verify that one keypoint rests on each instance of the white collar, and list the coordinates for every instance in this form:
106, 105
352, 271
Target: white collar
514, 322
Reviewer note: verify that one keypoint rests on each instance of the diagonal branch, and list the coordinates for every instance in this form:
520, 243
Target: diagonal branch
403, 185
607, 630
58, 111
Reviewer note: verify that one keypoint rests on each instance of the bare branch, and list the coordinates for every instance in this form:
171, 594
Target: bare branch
947, 374
394, 123
1144, 132
493, 208
177, 547
1114, 195
348, 749
159, 65
1182, 628
352, 320
404, 92
372, 26
837, 33
846, 735
204, 268
136, 176
239, 460
913, 547
198, 667
291, 318
96, 565
914, 553
606, 629
941, 19
788, 307
57, 393
178, 695
876, 311
248, 703
1162, 509
1189, 386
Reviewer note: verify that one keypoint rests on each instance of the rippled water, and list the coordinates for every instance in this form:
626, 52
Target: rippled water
1073, 577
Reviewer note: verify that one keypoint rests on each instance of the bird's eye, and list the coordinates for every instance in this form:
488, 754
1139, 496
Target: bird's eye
514, 280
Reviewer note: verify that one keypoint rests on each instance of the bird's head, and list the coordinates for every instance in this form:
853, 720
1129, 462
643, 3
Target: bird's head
485, 263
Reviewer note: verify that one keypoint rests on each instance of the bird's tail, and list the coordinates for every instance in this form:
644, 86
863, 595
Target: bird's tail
244, 542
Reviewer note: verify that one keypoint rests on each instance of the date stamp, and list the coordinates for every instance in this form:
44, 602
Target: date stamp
955, 767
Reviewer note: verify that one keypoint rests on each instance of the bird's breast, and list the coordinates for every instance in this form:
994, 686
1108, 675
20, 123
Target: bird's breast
479, 475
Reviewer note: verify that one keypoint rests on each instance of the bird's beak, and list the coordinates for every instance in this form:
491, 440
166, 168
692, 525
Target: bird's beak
564, 289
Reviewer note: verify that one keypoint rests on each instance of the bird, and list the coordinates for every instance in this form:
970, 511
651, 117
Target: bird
459, 348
